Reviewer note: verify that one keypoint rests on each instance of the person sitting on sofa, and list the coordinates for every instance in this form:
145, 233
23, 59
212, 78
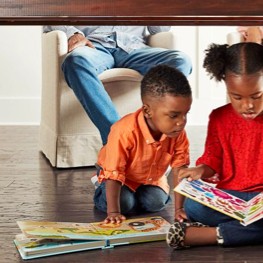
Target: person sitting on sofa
94, 49
251, 33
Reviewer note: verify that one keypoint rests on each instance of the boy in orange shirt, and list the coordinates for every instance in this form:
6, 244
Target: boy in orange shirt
142, 145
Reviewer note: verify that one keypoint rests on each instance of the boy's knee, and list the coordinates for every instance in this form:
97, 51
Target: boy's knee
152, 205
127, 205
127, 208
127, 200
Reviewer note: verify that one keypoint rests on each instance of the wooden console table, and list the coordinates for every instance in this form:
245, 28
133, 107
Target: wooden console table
131, 12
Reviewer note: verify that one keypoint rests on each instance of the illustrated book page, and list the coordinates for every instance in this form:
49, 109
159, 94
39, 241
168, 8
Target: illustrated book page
207, 194
42, 238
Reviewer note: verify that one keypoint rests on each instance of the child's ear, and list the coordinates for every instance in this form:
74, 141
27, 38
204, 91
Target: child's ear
146, 111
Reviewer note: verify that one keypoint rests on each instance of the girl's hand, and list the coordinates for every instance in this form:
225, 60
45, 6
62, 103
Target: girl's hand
191, 174
114, 218
180, 215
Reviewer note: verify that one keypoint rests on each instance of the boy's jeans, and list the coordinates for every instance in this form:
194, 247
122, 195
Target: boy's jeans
147, 198
82, 66
232, 231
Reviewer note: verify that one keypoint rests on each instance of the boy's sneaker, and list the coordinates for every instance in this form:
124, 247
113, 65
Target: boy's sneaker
94, 180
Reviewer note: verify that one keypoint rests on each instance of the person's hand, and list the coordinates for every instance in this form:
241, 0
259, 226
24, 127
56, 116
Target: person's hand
254, 35
114, 218
243, 30
251, 33
191, 174
180, 215
78, 40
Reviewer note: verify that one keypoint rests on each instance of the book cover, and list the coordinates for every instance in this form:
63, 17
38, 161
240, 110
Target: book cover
246, 212
33, 248
42, 238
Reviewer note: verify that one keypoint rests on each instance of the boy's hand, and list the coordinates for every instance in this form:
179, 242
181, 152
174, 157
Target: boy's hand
114, 218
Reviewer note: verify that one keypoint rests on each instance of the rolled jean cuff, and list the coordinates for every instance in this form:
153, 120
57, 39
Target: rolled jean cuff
219, 237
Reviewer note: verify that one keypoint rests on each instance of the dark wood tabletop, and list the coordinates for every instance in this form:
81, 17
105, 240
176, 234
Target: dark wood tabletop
135, 12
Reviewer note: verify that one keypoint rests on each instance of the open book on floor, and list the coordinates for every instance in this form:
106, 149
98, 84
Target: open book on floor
246, 212
40, 238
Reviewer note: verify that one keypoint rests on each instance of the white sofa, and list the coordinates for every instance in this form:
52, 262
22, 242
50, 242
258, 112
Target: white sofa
67, 136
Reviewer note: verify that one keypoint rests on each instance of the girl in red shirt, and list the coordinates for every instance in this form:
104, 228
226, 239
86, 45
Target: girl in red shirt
233, 150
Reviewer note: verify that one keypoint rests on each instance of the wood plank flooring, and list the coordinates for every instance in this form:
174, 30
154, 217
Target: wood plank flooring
30, 189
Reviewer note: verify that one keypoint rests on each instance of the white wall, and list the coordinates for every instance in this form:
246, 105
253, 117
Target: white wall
20, 72
207, 94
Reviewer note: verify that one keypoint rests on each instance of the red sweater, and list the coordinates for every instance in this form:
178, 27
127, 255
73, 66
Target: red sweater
234, 149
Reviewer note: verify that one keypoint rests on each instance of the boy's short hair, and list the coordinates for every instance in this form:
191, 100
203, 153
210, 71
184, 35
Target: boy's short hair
162, 80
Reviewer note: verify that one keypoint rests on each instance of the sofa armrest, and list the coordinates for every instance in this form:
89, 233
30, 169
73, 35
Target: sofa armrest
54, 48
162, 39
234, 38
56, 40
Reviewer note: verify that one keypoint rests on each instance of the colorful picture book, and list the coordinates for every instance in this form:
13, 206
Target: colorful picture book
246, 212
39, 238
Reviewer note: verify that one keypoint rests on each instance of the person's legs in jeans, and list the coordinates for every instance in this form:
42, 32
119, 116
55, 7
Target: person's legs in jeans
81, 68
127, 199
147, 198
144, 59
230, 230
235, 234
151, 198
197, 212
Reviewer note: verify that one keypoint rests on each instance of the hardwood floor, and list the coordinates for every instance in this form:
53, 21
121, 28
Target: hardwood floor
30, 189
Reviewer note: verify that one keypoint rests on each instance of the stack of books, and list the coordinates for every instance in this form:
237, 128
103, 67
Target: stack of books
39, 238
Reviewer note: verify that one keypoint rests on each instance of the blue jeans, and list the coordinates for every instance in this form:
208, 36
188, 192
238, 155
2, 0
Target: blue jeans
147, 198
82, 66
233, 233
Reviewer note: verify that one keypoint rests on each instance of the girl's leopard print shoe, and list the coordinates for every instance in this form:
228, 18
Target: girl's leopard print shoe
176, 234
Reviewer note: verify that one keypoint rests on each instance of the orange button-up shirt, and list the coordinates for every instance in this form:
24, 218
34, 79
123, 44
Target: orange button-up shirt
134, 158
